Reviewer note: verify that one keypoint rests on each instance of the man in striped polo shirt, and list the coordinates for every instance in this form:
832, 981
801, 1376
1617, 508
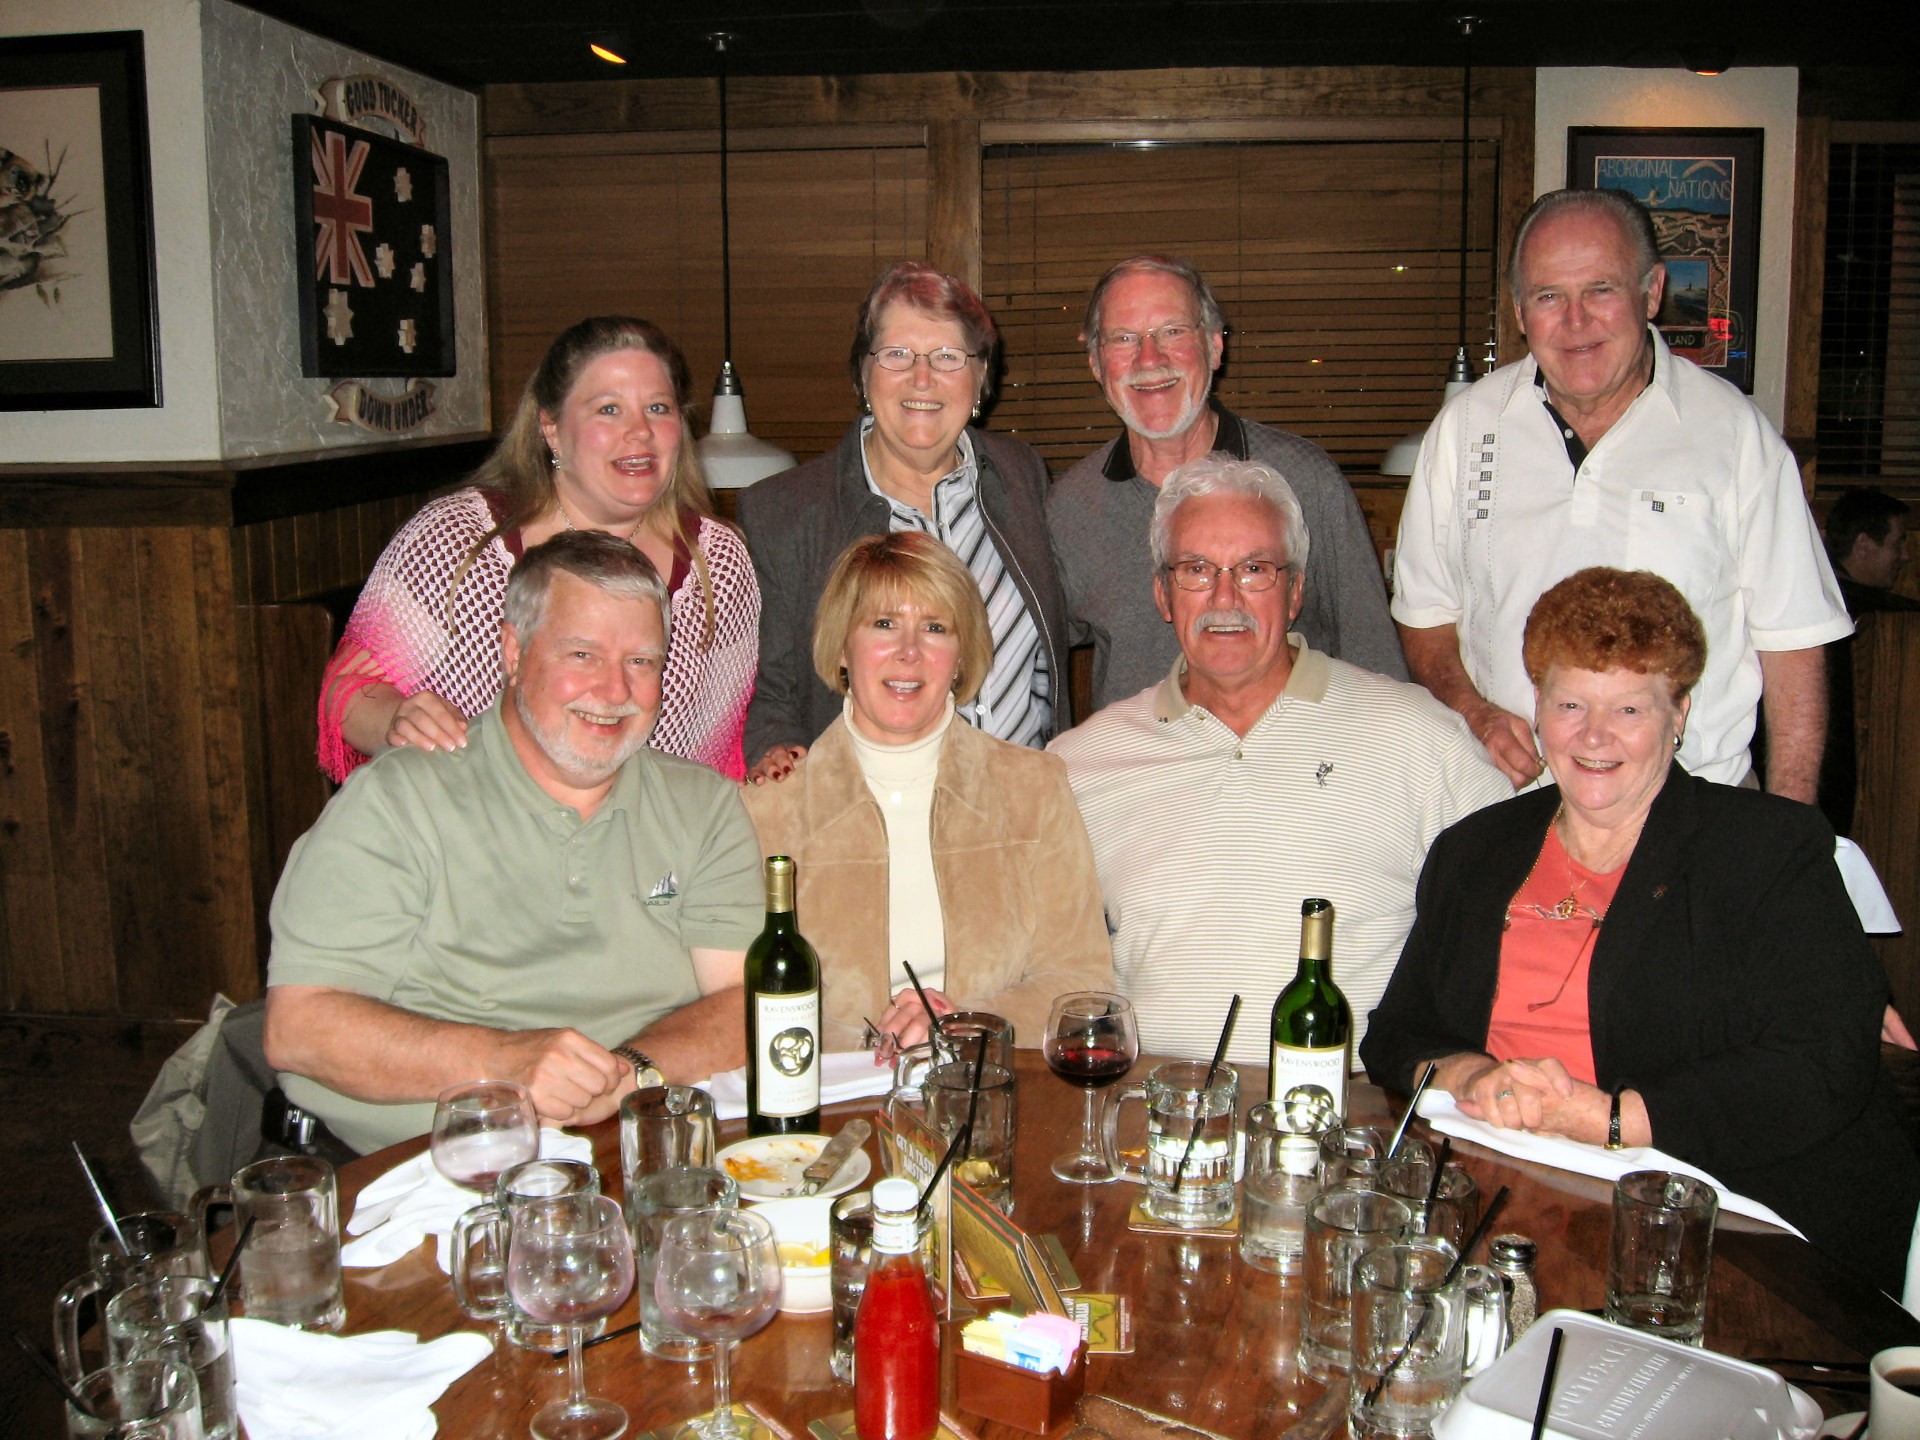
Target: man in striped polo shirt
1258, 772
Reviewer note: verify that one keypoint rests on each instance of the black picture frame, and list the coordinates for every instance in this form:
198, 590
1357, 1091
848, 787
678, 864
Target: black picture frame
374, 287
113, 63
1703, 188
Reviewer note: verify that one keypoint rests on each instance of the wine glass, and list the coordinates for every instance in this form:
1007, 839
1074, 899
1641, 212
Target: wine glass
481, 1130
1091, 1040
570, 1261
718, 1277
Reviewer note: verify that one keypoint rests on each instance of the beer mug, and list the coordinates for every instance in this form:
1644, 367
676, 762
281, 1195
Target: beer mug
290, 1270
159, 1242
140, 1400
480, 1248
1190, 1142
662, 1126
178, 1317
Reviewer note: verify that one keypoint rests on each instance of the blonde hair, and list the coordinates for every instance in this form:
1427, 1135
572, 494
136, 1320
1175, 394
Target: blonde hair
905, 564
520, 468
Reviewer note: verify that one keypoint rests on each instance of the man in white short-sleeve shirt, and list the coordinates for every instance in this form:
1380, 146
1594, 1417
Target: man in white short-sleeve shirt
1603, 448
1258, 773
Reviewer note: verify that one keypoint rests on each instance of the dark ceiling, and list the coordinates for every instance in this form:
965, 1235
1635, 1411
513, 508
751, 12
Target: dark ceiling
476, 42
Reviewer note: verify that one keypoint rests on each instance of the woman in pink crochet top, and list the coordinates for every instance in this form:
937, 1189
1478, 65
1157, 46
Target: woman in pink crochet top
596, 443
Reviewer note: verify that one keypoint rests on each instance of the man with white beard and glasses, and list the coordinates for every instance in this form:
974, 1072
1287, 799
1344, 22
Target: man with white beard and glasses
1257, 773
1155, 336
554, 904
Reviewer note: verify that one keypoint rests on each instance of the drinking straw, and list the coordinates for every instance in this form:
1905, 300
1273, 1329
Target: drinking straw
1479, 1232
1439, 1175
226, 1271
1206, 1093
933, 1016
54, 1377
100, 1199
1546, 1384
1413, 1103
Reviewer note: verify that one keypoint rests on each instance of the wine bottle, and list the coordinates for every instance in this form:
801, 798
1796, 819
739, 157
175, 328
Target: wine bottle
1312, 1030
896, 1336
783, 1017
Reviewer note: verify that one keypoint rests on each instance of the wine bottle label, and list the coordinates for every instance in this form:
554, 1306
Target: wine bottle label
1309, 1086
786, 1029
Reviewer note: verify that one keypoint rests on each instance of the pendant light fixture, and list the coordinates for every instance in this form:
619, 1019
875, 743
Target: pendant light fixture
732, 457
1405, 451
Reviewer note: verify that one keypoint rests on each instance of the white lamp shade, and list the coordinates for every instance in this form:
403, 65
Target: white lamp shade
732, 457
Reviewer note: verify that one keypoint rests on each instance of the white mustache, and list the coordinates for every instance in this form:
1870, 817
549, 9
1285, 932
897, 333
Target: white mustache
1205, 622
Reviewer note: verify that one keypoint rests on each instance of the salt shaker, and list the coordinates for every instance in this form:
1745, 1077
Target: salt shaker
1512, 1257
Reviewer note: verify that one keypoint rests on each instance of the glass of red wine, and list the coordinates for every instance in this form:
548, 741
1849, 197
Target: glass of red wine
1092, 1040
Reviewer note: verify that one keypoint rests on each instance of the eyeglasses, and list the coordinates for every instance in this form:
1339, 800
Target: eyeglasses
946, 359
1174, 335
1253, 575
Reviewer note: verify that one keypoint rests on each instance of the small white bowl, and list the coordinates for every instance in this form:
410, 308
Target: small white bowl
803, 1220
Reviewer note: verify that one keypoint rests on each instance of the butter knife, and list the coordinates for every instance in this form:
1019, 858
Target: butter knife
851, 1137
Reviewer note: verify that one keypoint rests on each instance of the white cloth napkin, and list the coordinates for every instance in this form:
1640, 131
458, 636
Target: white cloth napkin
1864, 889
293, 1385
1438, 1108
844, 1075
413, 1200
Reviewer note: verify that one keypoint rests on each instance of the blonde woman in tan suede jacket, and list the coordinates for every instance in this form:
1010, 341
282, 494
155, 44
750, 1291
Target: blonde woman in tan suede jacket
916, 838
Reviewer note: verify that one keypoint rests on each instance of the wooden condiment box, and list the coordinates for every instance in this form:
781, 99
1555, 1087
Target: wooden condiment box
1025, 1399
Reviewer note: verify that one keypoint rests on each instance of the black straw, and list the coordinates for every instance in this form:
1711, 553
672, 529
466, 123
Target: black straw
54, 1377
1206, 1094
963, 1137
1413, 1104
1439, 1175
226, 1271
1545, 1402
933, 1017
100, 1199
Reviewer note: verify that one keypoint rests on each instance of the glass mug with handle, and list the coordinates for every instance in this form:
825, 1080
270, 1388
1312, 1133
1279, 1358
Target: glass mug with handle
480, 1248
158, 1242
987, 1165
1190, 1142
153, 1399
178, 1317
290, 1271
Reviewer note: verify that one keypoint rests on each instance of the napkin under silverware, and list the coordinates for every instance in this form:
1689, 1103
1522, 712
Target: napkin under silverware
844, 1075
294, 1385
413, 1200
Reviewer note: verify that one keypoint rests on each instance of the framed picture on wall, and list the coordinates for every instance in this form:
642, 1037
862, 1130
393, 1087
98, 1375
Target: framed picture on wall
1702, 188
78, 329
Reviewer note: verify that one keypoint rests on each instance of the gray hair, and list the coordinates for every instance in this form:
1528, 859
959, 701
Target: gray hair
1223, 475
1212, 320
604, 561
1636, 227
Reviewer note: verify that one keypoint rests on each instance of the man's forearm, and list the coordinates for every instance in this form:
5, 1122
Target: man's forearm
699, 1040
367, 1049
1794, 692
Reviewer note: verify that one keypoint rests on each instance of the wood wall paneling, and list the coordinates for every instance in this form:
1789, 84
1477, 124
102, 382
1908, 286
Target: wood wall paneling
953, 198
1806, 289
1886, 658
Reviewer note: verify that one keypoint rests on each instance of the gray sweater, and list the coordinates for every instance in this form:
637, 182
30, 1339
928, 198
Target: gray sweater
1098, 514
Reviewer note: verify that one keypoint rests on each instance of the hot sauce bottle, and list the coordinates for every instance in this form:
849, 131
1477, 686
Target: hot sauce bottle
896, 1336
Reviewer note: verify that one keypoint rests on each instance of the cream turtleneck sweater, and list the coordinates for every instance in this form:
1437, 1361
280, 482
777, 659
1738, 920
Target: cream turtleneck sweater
900, 778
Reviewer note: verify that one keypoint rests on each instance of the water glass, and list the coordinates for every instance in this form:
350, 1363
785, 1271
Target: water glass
570, 1260
653, 1200
988, 1164
159, 1242
480, 1240
1344, 1224
1190, 1142
482, 1129
1409, 1341
719, 1277
290, 1270
852, 1242
965, 1033
1661, 1254
1356, 1152
663, 1126
1282, 1176
177, 1317
1456, 1205
148, 1399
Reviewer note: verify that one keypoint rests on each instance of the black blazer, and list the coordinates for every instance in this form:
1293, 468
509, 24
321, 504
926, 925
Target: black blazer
798, 522
1731, 987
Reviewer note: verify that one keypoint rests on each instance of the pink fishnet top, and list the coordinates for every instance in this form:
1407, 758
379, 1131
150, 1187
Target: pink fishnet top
419, 641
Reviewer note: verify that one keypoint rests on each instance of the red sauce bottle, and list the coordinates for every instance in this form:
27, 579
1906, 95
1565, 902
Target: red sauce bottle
896, 1336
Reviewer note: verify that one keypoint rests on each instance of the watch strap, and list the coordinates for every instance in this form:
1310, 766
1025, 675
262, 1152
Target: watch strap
645, 1072
1613, 1123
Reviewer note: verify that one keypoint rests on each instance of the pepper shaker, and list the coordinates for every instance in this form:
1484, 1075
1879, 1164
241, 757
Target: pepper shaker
1512, 1257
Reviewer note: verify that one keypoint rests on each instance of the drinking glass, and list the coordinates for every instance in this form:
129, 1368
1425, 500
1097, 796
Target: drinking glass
1190, 1141
1091, 1041
1456, 1204
1661, 1254
570, 1260
988, 1163
141, 1400
1355, 1153
719, 1278
1409, 1341
290, 1271
851, 1228
178, 1317
653, 1201
158, 1242
1343, 1225
481, 1129
964, 1033
479, 1259
663, 1126
1282, 1176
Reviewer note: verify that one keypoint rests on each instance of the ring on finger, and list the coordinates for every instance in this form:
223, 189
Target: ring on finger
1504, 1095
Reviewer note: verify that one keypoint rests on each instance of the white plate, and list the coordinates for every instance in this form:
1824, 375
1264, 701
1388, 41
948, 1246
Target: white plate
769, 1167
1841, 1426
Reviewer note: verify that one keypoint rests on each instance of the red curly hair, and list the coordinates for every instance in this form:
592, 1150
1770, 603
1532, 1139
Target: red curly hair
1604, 619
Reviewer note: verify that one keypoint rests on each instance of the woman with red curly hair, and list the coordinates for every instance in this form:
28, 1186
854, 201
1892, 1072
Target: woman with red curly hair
1636, 957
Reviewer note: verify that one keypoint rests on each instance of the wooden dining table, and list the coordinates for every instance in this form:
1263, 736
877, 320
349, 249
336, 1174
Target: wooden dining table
1215, 1341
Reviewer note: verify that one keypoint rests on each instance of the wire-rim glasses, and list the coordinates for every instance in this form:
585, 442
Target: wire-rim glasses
945, 360
1251, 575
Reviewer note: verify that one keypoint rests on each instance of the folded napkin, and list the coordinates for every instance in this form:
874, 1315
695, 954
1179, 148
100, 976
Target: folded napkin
1864, 889
413, 1200
1438, 1108
294, 1385
844, 1075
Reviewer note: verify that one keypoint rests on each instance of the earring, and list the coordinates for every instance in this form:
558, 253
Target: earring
846, 685
976, 409
1677, 739
866, 404
553, 458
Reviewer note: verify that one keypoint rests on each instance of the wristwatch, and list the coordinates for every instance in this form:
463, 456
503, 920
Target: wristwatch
646, 1073
1613, 1124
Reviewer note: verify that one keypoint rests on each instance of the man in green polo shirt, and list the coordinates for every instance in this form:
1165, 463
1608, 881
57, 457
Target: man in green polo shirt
526, 905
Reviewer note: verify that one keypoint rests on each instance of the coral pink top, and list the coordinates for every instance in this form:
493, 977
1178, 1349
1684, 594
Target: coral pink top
1553, 924
422, 638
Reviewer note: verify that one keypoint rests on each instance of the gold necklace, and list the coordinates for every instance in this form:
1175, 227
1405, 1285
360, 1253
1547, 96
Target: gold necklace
567, 519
